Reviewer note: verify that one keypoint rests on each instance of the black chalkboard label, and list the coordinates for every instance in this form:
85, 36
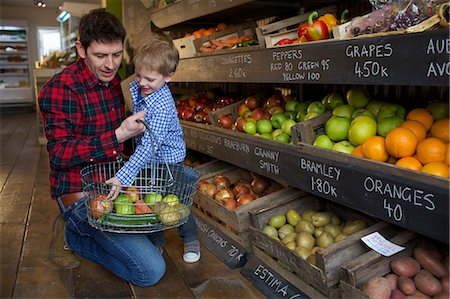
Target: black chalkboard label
270, 283
226, 249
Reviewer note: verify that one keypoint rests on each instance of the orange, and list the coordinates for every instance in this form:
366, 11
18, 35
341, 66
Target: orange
197, 34
431, 149
416, 127
401, 142
410, 163
374, 148
440, 129
221, 26
208, 32
447, 154
436, 168
358, 151
422, 115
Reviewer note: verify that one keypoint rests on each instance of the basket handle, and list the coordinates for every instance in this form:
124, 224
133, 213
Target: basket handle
153, 162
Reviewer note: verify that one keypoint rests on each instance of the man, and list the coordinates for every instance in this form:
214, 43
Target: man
82, 109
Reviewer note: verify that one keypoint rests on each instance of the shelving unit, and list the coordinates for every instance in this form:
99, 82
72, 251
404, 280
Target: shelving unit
420, 202
15, 87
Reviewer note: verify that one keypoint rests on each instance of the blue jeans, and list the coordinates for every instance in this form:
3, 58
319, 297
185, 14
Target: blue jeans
132, 257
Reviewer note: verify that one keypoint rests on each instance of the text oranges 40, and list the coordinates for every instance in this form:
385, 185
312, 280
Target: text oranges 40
401, 142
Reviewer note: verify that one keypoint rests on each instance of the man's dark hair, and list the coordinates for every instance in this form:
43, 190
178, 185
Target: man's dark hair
101, 26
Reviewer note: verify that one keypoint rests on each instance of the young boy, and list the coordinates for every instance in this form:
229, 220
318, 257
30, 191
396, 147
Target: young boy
155, 63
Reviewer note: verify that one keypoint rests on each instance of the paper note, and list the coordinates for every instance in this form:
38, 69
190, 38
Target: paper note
378, 243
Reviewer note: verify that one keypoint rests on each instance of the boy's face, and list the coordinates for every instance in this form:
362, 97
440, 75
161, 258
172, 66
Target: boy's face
150, 81
102, 59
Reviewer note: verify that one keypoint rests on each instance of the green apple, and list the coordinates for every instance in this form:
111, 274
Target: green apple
276, 132
250, 127
362, 111
344, 111
277, 119
152, 198
290, 114
287, 124
374, 106
250, 119
291, 105
266, 135
282, 137
386, 124
323, 141
357, 97
300, 116
438, 110
310, 115
333, 100
361, 128
337, 128
302, 106
316, 106
264, 126
171, 199
343, 147
390, 109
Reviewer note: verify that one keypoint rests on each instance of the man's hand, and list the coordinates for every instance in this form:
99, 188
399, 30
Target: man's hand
115, 189
130, 128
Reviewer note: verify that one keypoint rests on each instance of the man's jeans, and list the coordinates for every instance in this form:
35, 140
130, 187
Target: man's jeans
133, 257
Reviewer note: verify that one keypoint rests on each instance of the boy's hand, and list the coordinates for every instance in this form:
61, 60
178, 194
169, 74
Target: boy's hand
115, 189
130, 128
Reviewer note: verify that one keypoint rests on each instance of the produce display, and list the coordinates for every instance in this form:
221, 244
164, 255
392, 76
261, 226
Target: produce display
132, 208
232, 195
308, 232
423, 275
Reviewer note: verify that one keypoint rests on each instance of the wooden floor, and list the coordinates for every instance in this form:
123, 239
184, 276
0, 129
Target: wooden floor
26, 218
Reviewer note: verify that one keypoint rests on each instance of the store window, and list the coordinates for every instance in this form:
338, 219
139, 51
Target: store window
49, 41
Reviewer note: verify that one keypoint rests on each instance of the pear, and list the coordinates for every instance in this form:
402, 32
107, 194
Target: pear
277, 220
304, 226
321, 219
284, 230
324, 240
291, 245
308, 214
289, 238
335, 220
270, 231
332, 229
306, 240
354, 226
318, 231
340, 237
293, 217
302, 252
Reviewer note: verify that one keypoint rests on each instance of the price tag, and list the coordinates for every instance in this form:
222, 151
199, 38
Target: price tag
378, 243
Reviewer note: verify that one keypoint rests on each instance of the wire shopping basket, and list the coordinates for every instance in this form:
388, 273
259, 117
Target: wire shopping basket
160, 197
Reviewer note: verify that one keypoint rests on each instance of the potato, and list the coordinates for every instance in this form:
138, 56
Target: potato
397, 294
441, 295
427, 283
406, 285
430, 263
377, 287
392, 278
405, 266
445, 284
418, 295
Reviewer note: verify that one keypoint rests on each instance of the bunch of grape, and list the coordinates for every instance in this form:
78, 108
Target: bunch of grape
405, 18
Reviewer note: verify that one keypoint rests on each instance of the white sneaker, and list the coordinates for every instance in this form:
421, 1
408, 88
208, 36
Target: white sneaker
191, 251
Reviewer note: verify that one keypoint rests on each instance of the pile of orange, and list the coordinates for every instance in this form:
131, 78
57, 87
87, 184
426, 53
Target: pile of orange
420, 144
205, 32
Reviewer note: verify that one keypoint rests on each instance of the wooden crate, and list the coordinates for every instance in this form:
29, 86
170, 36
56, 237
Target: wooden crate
327, 273
238, 219
212, 167
307, 131
185, 46
235, 30
228, 110
270, 34
359, 270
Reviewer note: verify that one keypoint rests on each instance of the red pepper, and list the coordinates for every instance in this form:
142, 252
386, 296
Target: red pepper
285, 41
301, 30
315, 30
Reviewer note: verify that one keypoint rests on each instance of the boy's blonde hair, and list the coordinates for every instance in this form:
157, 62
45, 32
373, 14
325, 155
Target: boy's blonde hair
157, 54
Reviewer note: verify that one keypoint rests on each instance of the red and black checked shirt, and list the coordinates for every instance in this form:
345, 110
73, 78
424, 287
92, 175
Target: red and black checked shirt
80, 115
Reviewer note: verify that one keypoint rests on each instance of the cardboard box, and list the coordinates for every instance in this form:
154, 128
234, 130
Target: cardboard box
185, 46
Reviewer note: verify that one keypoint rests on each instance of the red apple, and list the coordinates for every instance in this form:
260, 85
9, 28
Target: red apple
276, 109
225, 121
266, 115
182, 103
258, 113
241, 109
239, 124
192, 101
187, 114
274, 100
199, 116
251, 102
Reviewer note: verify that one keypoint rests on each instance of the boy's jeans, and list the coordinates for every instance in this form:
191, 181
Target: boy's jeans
133, 257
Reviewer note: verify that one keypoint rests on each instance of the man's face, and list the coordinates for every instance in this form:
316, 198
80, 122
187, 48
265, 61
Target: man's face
103, 59
150, 81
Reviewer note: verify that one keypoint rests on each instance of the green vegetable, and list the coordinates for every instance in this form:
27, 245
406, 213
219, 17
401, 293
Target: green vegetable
123, 205
128, 220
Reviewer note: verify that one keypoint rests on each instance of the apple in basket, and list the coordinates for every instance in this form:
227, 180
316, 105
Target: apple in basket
171, 199
168, 214
152, 198
133, 193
